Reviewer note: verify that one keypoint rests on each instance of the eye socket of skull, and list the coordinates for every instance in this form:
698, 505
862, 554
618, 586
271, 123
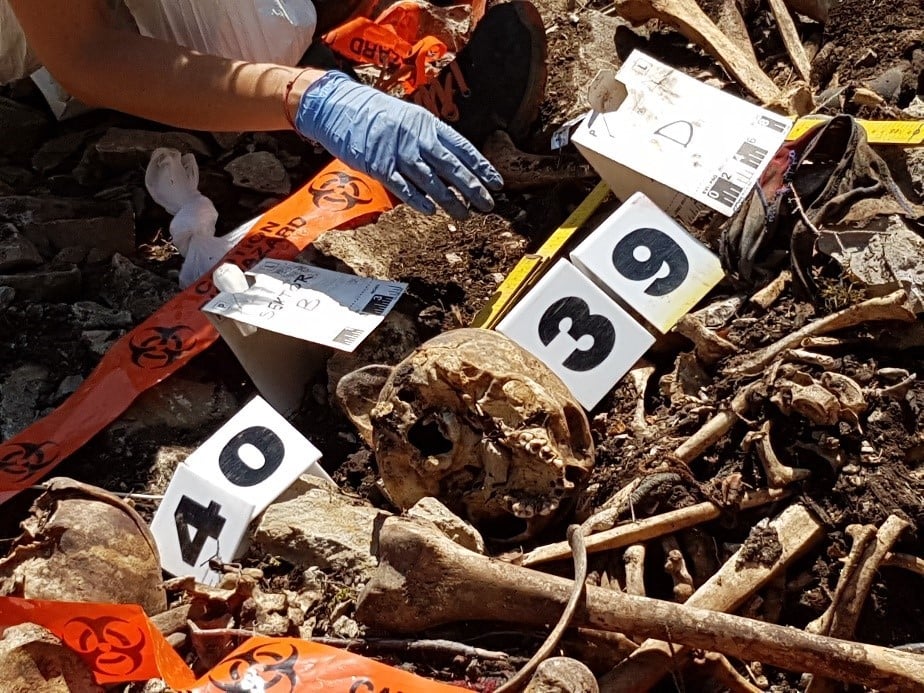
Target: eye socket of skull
427, 436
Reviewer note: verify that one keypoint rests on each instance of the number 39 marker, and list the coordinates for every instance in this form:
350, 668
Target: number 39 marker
644, 257
578, 331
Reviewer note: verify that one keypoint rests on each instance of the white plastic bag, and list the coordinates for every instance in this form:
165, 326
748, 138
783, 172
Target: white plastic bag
276, 31
172, 180
16, 60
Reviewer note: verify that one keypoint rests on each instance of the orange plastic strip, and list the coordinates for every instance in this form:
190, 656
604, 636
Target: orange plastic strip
363, 41
119, 644
173, 335
117, 641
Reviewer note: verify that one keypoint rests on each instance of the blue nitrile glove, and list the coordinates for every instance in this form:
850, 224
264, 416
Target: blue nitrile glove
404, 146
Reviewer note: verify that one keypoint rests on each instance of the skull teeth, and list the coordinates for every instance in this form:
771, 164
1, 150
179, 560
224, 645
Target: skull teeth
522, 510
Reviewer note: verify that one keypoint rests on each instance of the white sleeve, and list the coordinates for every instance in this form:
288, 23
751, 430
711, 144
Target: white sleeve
276, 31
16, 60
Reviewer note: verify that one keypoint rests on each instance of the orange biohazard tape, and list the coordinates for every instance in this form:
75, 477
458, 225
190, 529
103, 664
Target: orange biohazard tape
169, 338
119, 645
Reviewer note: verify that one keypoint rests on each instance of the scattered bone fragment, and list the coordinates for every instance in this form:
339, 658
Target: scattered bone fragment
82, 543
814, 9
797, 531
676, 567
453, 526
474, 420
412, 558
708, 346
778, 474
689, 19
728, 19
33, 659
524, 171
905, 561
640, 375
767, 295
890, 307
634, 559
717, 426
810, 358
869, 549
562, 675
791, 39
721, 672
643, 530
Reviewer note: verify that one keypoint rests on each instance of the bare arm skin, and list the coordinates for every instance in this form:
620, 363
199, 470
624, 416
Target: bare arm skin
112, 68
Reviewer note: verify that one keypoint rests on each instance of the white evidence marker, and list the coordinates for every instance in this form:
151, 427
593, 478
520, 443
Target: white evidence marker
198, 521
644, 257
257, 454
572, 326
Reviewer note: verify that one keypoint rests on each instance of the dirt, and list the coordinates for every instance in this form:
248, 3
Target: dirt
451, 280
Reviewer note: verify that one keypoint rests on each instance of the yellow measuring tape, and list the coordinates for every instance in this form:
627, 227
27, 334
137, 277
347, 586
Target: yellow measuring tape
532, 265
908, 133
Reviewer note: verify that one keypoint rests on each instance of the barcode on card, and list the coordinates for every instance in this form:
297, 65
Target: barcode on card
725, 192
775, 125
348, 335
378, 304
750, 155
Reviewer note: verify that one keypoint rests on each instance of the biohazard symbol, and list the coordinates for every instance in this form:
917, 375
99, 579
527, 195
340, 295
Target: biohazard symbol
338, 191
159, 347
22, 460
262, 669
111, 645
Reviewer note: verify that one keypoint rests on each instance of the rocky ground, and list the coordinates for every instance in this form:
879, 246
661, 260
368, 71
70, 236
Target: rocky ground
85, 256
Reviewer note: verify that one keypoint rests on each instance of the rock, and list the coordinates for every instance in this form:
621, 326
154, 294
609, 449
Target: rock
23, 127
56, 151
58, 285
99, 341
53, 223
181, 404
313, 524
7, 295
32, 659
71, 255
450, 524
260, 171
91, 315
226, 140
172, 620
562, 675
391, 341
132, 288
16, 251
84, 544
66, 388
889, 83
121, 148
22, 392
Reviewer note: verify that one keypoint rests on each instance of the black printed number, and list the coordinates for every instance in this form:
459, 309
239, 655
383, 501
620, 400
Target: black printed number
206, 521
267, 443
582, 323
662, 250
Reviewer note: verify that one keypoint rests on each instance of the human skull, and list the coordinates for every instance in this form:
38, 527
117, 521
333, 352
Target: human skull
475, 421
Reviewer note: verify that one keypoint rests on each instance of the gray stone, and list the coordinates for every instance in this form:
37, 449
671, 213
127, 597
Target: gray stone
181, 404
7, 295
67, 387
90, 315
22, 392
56, 151
135, 289
53, 223
59, 285
314, 524
99, 341
16, 251
260, 171
23, 127
72, 255
122, 148
450, 524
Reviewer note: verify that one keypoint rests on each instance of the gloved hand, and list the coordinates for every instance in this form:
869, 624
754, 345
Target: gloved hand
405, 147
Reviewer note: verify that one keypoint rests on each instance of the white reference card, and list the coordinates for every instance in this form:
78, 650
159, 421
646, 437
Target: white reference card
334, 309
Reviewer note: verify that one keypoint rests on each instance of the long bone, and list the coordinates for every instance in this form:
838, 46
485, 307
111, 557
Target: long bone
425, 580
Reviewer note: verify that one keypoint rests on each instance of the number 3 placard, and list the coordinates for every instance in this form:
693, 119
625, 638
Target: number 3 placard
573, 327
644, 257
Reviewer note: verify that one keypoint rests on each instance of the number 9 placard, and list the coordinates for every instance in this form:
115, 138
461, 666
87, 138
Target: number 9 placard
642, 256
573, 327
